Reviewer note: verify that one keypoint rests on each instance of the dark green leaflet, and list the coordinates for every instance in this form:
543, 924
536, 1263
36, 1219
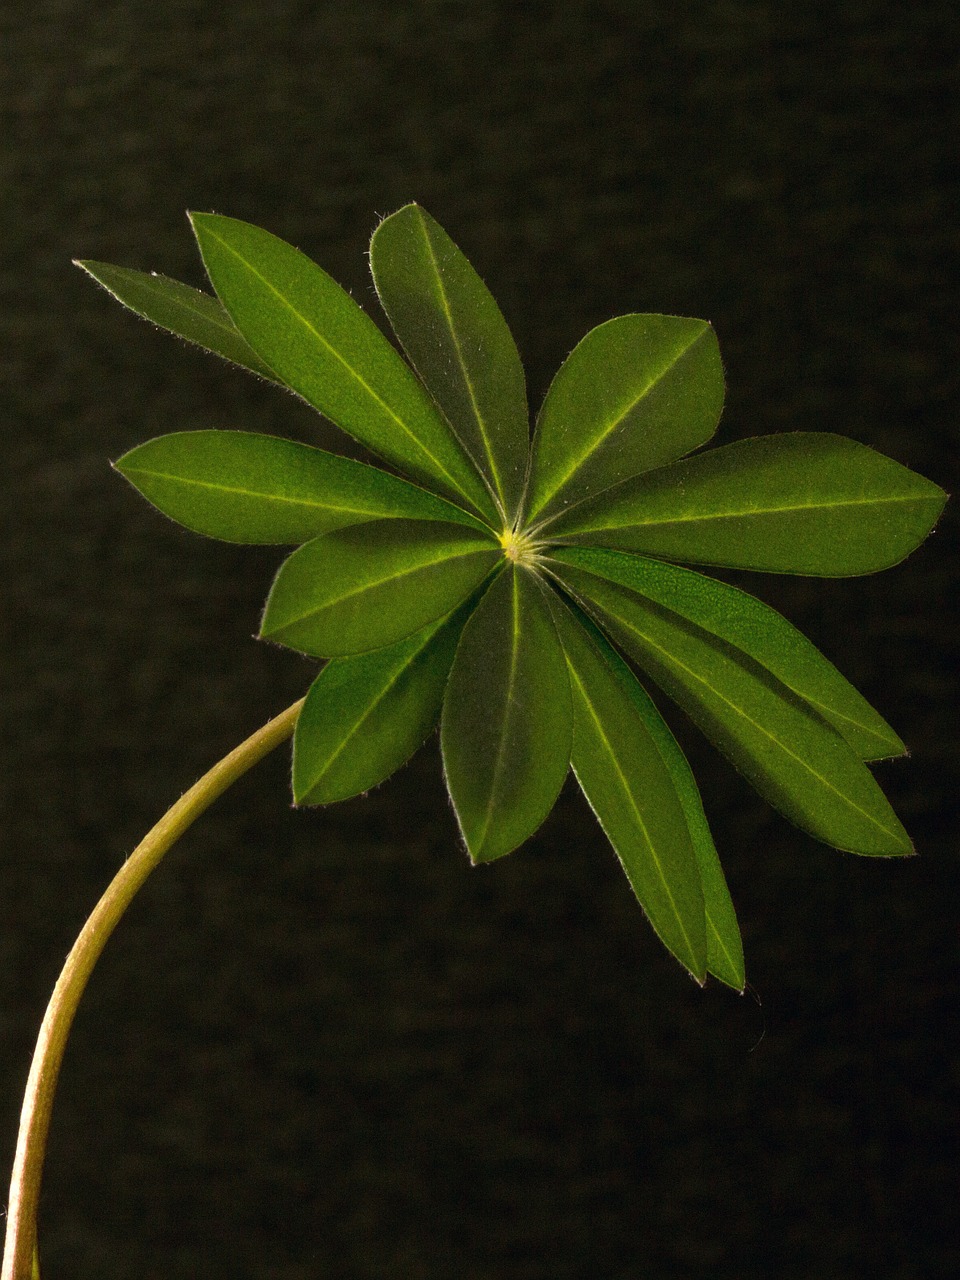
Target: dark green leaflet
251, 488
623, 776
366, 715
458, 341
180, 310
630, 724
802, 502
366, 587
637, 392
506, 724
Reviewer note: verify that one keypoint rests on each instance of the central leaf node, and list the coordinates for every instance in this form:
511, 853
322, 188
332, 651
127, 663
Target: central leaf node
518, 547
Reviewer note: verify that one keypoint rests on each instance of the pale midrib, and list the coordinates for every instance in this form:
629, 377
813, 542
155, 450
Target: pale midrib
498, 763
639, 523
346, 364
833, 714
188, 481
362, 719
613, 424
474, 402
719, 940
372, 586
633, 805
674, 661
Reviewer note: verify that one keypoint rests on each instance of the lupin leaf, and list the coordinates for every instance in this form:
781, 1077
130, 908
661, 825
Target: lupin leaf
759, 632
366, 715
244, 487
506, 723
324, 347
795, 759
368, 586
636, 393
801, 502
181, 310
438, 590
456, 338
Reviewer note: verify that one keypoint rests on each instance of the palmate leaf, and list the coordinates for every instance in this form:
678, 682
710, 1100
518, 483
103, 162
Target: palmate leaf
457, 588
627, 784
506, 724
316, 338
636, 393
801, 502
180, 310
244, 487
757, 631
368, 586
458, 341
366, 715
795, 759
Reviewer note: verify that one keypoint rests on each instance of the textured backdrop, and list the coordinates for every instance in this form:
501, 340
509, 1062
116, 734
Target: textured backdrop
321, 1045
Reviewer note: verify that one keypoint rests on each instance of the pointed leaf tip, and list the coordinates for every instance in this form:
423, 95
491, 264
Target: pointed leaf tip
181, 310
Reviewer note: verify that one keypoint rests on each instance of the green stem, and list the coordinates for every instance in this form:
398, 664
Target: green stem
19, 1256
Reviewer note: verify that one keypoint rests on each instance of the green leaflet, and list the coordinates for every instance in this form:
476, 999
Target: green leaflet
176, 307
804, 502
366, 715
756, 630
724, 945
637, 392
627, 784
506, 723
794, 758
456, 338
368, 586
245, 487
316, 338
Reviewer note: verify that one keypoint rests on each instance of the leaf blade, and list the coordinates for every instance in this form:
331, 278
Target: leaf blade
244, 487
323, 346
505, 729
624, 778
181, 310
794, 758
800, 502
636, 393
368, 586
752, 627
724, 944
456, 338
365, 715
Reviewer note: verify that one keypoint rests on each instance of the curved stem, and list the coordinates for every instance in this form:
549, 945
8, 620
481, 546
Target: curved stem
19, 1256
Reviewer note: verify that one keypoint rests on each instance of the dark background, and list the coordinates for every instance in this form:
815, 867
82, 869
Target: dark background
320, 1044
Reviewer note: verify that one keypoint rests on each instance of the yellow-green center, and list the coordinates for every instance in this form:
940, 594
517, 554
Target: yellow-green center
518, 547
